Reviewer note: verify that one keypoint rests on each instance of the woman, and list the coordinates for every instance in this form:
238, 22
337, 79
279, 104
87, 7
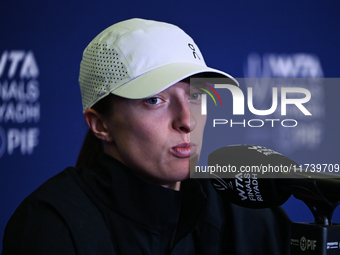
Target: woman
131, 192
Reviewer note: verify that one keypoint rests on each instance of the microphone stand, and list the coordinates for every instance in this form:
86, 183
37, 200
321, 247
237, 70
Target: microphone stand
321, 237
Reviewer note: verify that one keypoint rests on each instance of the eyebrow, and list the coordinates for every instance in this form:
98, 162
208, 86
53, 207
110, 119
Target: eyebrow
198, 85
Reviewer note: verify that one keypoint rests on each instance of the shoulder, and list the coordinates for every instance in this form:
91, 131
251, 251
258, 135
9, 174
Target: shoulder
63, 196
56, 218
60, 193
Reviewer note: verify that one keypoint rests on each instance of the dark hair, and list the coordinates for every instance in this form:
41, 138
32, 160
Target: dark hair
92, 146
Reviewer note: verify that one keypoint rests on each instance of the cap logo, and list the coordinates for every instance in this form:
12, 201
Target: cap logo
193, 51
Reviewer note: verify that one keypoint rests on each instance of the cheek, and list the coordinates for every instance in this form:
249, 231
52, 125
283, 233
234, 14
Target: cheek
196, 136
142, 147
138, 135
200, 124
202, 119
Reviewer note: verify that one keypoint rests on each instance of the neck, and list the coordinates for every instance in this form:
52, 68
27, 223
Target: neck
174, 186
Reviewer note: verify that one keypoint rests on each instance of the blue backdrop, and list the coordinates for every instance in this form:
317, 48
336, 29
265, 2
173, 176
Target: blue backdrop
41, 122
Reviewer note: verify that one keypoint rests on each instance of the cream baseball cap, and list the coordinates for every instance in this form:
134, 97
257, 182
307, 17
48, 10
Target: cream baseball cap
138, 58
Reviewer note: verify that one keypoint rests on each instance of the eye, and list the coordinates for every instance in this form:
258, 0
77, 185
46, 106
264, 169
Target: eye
195, 96
153, 100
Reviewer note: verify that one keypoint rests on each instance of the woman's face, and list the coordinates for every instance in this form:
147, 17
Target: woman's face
159, 136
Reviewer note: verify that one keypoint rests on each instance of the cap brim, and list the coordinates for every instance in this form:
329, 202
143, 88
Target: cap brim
161, 78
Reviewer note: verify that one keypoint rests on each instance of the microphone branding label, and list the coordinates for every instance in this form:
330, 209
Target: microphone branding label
263, 150
247, 185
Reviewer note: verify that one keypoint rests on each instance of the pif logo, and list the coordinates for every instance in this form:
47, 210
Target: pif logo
306, 244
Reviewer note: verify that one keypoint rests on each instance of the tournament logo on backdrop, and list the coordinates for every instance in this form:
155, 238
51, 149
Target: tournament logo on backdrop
19, 102
279, 103
299, 70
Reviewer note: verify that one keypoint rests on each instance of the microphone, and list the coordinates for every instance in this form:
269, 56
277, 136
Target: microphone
258, 177
250, 176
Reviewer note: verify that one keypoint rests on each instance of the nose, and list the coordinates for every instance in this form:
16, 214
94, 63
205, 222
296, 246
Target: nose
183, 120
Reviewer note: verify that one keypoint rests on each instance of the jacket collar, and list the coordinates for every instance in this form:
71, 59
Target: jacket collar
148, 204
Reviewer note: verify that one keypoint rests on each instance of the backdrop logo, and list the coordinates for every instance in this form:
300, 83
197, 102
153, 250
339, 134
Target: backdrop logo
19, 102
298, 65
302, 70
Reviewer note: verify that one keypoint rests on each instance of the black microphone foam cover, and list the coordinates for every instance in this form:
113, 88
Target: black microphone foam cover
251, 176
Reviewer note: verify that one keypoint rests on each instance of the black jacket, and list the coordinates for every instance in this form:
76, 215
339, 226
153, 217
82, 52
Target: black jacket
109, 210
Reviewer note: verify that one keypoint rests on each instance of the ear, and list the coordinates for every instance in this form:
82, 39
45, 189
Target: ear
96, 123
